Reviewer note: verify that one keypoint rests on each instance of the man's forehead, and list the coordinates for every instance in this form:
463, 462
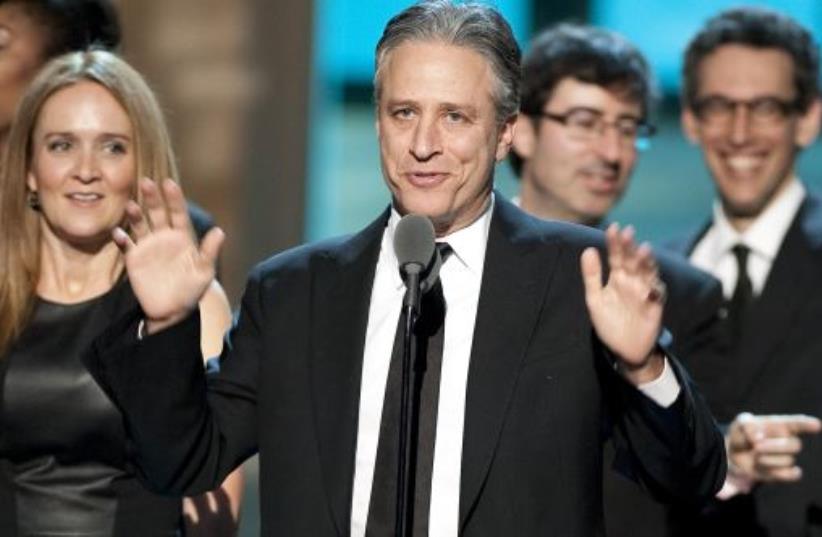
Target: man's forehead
416, 68
745, 68
616, 97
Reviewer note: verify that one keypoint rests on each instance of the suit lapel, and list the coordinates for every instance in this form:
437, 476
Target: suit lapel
340, 295
514, 282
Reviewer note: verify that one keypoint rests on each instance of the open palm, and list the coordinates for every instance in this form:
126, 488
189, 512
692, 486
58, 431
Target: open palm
626, 312
168, 271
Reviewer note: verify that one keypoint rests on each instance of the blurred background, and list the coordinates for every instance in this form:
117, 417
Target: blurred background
270, 107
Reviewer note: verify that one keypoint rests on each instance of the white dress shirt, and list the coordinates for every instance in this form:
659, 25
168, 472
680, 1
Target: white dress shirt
713, 253
461, 278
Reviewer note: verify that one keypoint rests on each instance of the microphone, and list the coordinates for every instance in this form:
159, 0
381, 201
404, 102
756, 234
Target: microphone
414, 246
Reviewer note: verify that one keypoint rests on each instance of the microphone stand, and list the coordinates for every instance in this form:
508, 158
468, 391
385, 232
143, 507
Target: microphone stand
409, 404
408, 410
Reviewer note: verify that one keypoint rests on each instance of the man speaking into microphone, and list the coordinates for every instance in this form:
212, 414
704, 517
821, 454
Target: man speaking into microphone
541, 350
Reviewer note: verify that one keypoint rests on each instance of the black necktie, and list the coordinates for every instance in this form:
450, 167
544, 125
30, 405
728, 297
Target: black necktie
425, 384
742, 298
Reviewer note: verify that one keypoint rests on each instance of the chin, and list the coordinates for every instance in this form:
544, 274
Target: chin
744, 208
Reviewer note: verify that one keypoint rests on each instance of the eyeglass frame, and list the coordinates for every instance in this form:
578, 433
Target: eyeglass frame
785, 107
640, 140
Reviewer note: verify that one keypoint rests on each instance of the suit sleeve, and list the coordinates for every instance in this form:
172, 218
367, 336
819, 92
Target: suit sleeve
187, 429
677, 452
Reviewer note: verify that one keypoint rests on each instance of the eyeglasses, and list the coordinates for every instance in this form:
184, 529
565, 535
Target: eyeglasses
588, 124
720, 111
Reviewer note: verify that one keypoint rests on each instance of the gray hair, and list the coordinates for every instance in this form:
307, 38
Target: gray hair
478, 27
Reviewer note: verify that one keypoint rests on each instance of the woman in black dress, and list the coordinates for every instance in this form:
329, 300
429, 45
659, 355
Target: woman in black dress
86, 129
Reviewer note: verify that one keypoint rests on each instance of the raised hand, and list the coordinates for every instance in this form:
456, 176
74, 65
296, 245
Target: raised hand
764, 447
626, 312
168, 271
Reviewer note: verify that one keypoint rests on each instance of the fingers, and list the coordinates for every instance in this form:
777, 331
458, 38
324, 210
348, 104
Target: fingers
638, 262
772, 443
121, 239
781, 446
137, 223
615, 247
163, 206
790, 473
591, 266
778, 425
801, 424
154, 205
177, 206
211, 245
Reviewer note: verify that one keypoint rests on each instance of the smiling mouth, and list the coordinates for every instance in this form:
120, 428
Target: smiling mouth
425, 179
743, 163
84, 197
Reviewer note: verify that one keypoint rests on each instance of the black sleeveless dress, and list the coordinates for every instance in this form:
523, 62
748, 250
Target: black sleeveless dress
64, 466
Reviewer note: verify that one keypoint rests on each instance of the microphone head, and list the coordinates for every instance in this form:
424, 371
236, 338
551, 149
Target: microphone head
414, 243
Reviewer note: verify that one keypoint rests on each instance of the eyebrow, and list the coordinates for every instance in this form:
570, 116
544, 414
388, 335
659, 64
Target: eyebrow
101, 135
625, 115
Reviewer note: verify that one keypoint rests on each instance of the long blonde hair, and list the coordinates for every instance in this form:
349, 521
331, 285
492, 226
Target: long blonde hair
19, 223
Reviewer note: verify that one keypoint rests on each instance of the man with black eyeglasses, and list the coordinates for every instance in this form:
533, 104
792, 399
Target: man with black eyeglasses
751, 102
585, 98
585, 94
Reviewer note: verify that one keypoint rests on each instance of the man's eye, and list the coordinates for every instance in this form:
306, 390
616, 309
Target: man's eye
715, 107
627, 128
455, 117
403, 113
766, 108
584, 121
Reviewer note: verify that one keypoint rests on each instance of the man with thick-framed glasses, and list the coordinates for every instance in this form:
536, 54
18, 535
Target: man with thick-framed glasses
751, 102
585, 95
585, 100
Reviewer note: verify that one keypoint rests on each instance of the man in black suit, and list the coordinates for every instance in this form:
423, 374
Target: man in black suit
539, 357
751, 102
585, 99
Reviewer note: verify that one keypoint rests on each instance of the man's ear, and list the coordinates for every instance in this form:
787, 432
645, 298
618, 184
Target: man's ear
807, 128
690, 126
525, 137
506, 138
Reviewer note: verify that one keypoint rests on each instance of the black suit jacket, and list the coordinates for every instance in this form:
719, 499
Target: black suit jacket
777, 370
540, 392
692, 317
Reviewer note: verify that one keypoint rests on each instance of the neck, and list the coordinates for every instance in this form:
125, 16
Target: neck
69, 274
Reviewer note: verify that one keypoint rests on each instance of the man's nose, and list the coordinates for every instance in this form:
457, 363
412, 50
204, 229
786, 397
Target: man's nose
609, 143
427, 139
740, 124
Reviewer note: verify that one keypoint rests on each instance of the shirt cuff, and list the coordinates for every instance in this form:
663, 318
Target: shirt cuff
664, 389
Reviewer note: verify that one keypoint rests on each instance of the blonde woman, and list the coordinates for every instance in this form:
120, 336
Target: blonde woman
87, 128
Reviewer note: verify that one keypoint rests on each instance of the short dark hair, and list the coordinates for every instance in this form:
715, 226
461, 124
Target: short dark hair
476, 26
759, 28
75, 24
588, 54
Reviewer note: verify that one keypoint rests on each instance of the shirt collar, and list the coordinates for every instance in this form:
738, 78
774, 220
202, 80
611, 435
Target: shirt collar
769, 229
468, 243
